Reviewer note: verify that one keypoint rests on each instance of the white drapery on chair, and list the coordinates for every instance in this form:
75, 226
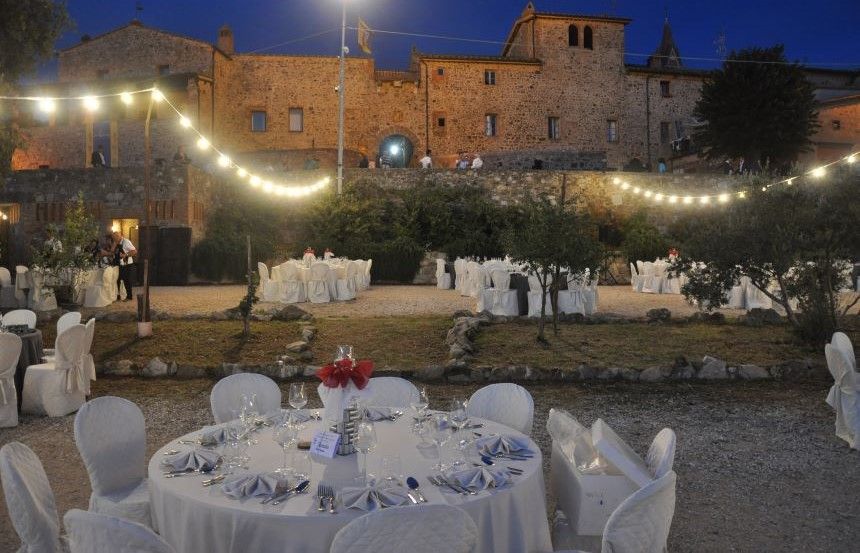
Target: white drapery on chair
572, 300
500, 299
318, 284
10, 351
88, 362
362, 281
90, 532
270, 290
841, 342
368, 265
41, 298
461, 277
58, 387
226, 395
504, 403
22, 282
293, 286
635, 279
443, 279
20, 317
346, 286
7, 290
844, 396
478, 279
534, 297
416, 529
650, 280
661, 454
110, 433
29, 500
65, 322
102, 291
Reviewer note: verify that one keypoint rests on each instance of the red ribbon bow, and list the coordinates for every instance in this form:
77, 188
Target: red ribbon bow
339, 373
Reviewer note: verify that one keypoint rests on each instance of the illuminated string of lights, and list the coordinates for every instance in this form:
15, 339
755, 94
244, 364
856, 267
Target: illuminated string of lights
674, 198
91, 103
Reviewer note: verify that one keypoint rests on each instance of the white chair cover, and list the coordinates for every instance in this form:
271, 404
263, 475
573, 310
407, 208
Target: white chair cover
443, 279
755, 298
843, 343
318, 284
41, 298
572, 300
534, 298
8, 300
102, 290
269, 289
68, 320
10, 351
505, 403
90, 532
500, 299
58, 387
22, 282
361, 279
461, 278
89, 364
294, 289
650, 280
661, 454
843, 396
635, 281
641, 523
591, 297
478, 279
226, 395
110, 433
20, 317
346, 289
367, 267
29, 500
415, 529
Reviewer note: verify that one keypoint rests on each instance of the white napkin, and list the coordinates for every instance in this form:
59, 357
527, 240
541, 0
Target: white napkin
199, 459
481, 478
239, 486
373, 498
297, 415
493, 445
377, 413
213, 435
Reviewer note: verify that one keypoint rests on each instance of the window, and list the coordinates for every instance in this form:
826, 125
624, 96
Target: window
490, 127
664, 132
489, 77
612, 130
572, 36
836, 124
440, 122
664, 89
297, 120
552, 131
587, 38
164, 69
679, 129
440, 71
102, 74
258, 121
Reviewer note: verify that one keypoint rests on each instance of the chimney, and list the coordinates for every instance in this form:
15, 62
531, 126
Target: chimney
225, 40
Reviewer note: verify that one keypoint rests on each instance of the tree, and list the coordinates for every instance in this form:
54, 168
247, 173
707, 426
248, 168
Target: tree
548, 240
793, 242
758, 106
642, 240
28, 31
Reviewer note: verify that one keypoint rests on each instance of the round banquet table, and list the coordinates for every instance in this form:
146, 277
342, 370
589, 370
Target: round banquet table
31, 354
197, 519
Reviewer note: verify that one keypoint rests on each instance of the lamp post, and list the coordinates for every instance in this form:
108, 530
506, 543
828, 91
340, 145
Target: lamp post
341, 101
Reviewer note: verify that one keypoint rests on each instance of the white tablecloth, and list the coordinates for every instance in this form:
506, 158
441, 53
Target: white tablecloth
195, 519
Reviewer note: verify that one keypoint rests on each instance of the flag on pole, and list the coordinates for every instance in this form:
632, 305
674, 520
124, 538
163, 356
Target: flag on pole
364, 36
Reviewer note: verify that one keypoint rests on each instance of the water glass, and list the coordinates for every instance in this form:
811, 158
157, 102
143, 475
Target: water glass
390, 470
365, 440
440, 433
419, 405
301, 466
298, 398
285, 435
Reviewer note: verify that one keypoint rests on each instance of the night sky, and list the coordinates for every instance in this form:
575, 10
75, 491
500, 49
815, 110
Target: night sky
823, 33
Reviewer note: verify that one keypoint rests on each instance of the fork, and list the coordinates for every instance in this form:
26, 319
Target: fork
328, 494
321, 497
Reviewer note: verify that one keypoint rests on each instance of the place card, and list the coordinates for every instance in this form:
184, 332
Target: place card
324, 444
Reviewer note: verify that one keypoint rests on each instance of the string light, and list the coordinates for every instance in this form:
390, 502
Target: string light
818, 172
851, 159
223, 161
47, 105
202, 143
242, 173
688, 199
705, 200
723, 198
157, 95
184, 121
126, 98
91, 103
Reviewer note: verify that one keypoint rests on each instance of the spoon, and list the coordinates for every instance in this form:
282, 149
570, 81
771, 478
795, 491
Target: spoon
298, 489
413, 485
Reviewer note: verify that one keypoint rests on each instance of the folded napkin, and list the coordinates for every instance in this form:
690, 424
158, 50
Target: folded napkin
199, 459
240, 486
493, 445
213, 435
373, 498
481, 478
297, 415
377, 413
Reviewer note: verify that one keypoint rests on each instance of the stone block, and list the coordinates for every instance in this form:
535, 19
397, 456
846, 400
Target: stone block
297, 347
655, 374
659, 315
155, 368
712, 369
752, 372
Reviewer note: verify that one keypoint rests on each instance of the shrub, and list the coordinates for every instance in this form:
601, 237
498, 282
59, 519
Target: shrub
642, 240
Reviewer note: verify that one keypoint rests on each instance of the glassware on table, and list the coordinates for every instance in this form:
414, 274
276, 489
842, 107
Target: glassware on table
248, 415
419, 405
234, 446
343, 352
459, 418
298, 398
365, 440
440, 433
285, 435
301, 465
390, 470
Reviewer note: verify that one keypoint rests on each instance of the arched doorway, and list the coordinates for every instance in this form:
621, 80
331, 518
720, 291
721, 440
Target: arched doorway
395, 151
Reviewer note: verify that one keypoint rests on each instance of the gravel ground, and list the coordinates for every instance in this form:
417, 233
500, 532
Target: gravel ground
381, 301
759, 467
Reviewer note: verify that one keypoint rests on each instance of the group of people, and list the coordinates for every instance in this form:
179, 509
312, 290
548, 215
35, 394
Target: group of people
116, 250
463, 162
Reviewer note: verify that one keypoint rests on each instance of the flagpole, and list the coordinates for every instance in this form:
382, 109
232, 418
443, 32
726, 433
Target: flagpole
341, 100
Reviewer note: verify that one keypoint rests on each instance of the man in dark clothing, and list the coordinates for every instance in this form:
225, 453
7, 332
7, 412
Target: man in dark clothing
124, 256
98, 157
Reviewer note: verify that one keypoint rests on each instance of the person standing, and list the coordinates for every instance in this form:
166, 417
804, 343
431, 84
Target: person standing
180, 156
426, 161
661, 165
124, 256
98, 157
477, 163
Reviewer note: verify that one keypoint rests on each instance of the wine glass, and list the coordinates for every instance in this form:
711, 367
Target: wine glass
459, 419
248, 415
298, 398
234, 444
343, 352
285, 435
440, 433
365, 440
419, 405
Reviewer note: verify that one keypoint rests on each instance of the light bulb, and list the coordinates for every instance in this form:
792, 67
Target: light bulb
267, 186
819, 172
126, 98
47, 105
658, 197
742, 195
852, 158
616, 181
648, 193
202, 143
157, 95
91, 103
705, 200
688, 199
184, 121
673, 199
242, 173
255, 180
637, 190
5, 217
223, 160
624, 186
723, 198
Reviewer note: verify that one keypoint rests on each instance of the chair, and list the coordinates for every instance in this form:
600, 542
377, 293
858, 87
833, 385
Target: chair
58, 387
755, 298
650, 280
22, 282
477, 279
361, 272
505, 403
110, 433
641, 523
841, 342
460, 277
500, 299
443, 279
293, 288
661, 454
102, 291
367, 276
7, 290
572, 300
635, 279
269, 289
843, 396
227, 394
41, 298
416, 529
591, 296
65, 322
20, 317
89, 364
10, 351
90, 532
318, 284
534, 297
29, 500
345, 287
